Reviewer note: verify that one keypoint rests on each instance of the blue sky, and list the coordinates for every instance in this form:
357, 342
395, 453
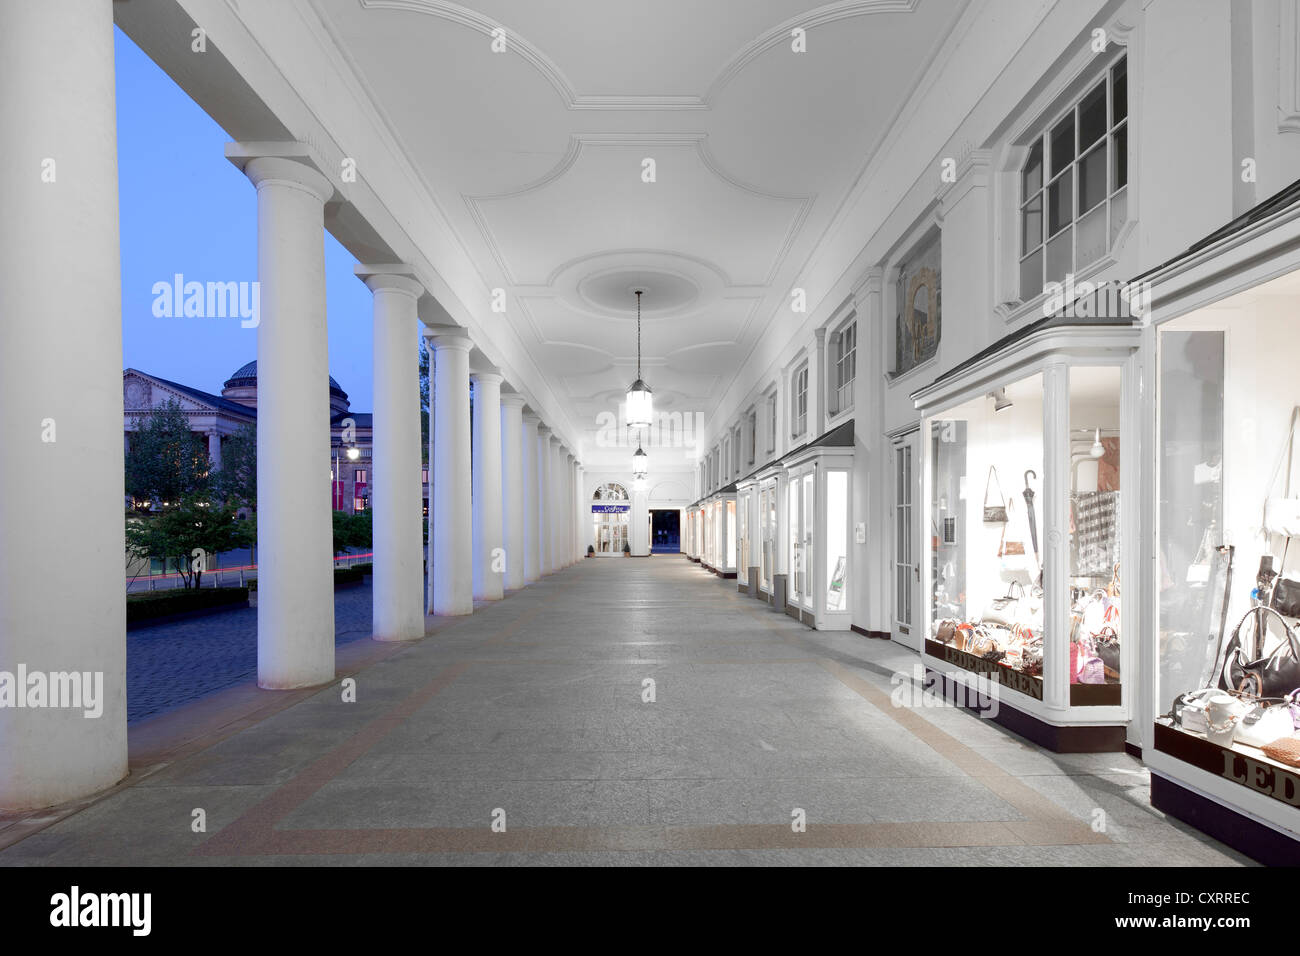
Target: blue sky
186, 209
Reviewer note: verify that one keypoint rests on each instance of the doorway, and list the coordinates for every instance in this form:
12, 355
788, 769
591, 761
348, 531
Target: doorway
665, 531
907, 571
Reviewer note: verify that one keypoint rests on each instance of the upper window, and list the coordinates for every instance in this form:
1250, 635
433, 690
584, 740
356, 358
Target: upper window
771, 432
799, 402
846, 366
751, 445
1073, 195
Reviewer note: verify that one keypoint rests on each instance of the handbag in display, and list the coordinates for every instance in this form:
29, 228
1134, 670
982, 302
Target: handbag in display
982, 642
994, 513
1107, 646
1282, 514
1223, 714
1264, 723
1286, 750
1004, 610
1189, 710
1011, 551
1252, 672
1284, 592
1091, 669
948, 630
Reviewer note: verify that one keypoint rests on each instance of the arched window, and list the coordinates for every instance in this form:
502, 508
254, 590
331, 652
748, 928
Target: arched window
610, 491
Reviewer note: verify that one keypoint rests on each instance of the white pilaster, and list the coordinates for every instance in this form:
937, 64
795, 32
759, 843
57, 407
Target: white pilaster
512, 482
566, 509
295, 586
397, 612
489, 567
61, 388
452, 546
214, 449
532, 499
545, 513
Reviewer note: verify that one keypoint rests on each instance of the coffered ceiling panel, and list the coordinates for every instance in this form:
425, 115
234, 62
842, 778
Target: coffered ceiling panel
535, 155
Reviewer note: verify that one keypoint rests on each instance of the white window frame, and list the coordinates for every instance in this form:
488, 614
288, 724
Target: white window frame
840, 389
799, 400
1042, 141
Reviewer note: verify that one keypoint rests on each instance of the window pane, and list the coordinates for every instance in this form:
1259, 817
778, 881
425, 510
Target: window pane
1060, 203
1031, 224
1118, 213
1119, 154
1092, 116
1092, 178
1063, 144
1032, 181
1091, 236
1119, 91
1031, 276
1060, 257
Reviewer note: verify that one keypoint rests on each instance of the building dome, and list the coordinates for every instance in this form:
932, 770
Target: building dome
242, 387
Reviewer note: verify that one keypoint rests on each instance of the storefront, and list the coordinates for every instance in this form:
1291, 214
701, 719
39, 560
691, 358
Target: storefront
1221, 507
748, 535
1024, 539
721, 547
818, 488
610, 512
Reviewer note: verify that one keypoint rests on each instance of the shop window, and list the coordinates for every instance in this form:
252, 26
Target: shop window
1228, 568
986, 463
918, 303
837, 540
799, 402
1073, 185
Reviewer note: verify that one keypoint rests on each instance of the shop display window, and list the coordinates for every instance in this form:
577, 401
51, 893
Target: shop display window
1228, 569
767, 519
986, 524
837, 540
795, 557
729, 555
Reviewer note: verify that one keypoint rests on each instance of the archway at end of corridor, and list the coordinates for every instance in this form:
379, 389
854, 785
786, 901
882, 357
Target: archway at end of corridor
665, 531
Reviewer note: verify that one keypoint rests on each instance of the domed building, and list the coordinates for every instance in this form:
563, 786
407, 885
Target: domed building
217, 417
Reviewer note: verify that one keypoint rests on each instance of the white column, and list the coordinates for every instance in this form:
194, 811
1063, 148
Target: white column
566, 509
532, 499
452, 546
61, 389
430, 547
513, 516
295, 586
397, 612
556, 501
214, 449
489, 567
545, 513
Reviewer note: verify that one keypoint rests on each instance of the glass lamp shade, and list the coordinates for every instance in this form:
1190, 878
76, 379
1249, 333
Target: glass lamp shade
640, 463
640, 407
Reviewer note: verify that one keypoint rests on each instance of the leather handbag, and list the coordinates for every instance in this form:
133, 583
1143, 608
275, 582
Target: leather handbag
1264, 723
1284, 595
1251, 672
997, 512
1189, 710
1004, 610
1107, 646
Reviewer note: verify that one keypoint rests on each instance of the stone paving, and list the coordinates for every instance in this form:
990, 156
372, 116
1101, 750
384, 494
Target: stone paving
181, 661
523, 735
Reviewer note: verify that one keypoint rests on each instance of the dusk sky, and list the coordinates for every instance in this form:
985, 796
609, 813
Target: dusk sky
186, 209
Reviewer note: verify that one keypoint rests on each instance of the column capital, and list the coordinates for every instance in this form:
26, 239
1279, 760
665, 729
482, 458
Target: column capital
531, 419
297, 172
453, 338
543, 430
396, 277
570, 458
487, 377
512, 399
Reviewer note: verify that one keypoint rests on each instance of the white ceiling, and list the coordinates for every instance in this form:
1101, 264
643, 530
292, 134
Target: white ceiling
535, 157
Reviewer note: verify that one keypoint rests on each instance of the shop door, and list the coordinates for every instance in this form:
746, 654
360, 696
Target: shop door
907, 572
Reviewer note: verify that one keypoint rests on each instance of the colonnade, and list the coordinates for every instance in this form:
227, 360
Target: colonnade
496, 523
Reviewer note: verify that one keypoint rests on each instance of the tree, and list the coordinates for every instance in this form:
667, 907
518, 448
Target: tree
236, 481
351, 531
190, 532
167, 461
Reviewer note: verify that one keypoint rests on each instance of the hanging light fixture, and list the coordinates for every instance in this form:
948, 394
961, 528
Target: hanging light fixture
640, 462
640, 409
